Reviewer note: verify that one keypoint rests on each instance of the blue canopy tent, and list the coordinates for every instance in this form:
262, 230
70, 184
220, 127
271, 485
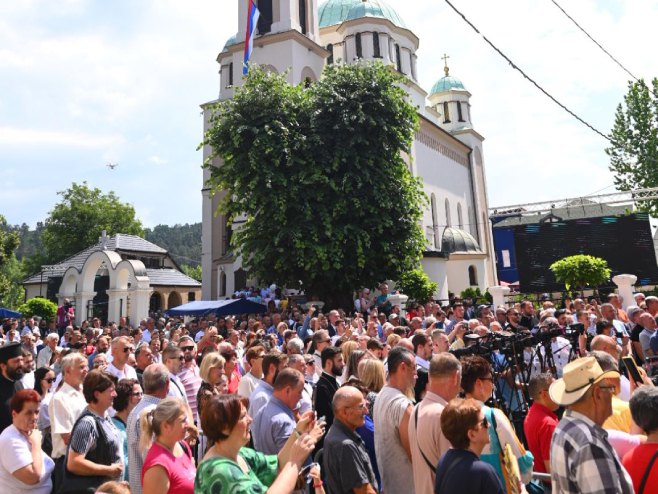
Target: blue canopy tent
9, 313
217, 307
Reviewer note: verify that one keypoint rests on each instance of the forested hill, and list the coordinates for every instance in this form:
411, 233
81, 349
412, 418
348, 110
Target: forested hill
182, 241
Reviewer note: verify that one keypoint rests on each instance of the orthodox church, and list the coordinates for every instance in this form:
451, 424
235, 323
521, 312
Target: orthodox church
301, 37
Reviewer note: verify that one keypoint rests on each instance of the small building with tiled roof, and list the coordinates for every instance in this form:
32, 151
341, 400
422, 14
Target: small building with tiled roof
120, 276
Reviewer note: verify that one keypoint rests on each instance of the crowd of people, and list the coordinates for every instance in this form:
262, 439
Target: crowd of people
365, 401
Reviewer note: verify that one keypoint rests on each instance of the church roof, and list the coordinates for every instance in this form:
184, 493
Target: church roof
334, 12
231, 41
446, 84
456, 240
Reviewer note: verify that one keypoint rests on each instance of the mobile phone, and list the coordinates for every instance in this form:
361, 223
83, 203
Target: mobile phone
632, 369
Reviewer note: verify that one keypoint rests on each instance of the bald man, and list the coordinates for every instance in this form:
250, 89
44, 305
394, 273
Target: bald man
345, 460
609, 345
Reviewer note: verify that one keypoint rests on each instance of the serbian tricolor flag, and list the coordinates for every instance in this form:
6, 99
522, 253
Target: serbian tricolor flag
252, 21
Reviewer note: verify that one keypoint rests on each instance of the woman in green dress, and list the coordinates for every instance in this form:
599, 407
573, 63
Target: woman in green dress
231, 468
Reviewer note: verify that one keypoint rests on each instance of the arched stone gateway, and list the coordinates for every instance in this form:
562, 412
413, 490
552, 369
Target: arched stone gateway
128, 294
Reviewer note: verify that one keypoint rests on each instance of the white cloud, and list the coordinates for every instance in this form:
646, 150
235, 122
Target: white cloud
38, 137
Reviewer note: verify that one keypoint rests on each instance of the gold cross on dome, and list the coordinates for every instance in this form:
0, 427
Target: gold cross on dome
445, 58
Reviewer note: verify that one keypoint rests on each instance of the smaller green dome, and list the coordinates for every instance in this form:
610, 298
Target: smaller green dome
456, 240
446, 84
374, 8
231, 41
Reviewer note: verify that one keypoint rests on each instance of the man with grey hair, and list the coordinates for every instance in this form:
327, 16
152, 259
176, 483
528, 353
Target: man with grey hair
541, 421
345, 460
47, 355
298, 362
156, 386
65, 407
648, 323
295, 346
426, 439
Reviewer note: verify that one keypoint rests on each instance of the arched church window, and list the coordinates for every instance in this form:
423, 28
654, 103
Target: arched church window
222, 284
398, 58
435, 223
472, 276
448, 222
330, 58
265, 19
460, 219
359, 45
302, 16
460, 117
376, 49
446, 112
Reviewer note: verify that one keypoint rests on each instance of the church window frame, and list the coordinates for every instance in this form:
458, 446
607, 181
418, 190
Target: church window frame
376, 49
446, 112
230, 75
472, 275
435, 222
330, 58
460, 217
460, 115
303, 16
398, 59
358, 43
448, 220
266, 10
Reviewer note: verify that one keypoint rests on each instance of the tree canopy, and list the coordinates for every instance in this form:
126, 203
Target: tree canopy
580, 271
634, 149
79, 219
319, 174
8, 244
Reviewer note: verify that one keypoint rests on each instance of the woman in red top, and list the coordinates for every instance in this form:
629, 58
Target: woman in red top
644, 409
231, 367
168, 466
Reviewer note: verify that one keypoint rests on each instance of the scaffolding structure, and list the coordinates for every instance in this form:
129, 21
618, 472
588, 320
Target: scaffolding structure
631, 198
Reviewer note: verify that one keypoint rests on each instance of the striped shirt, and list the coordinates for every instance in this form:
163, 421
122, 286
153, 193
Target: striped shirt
135, 458
582, 459
191, 379
85, 440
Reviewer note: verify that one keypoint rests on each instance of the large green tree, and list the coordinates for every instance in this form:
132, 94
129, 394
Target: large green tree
580, 271
79, 219
8, 244
634, 140
320, 175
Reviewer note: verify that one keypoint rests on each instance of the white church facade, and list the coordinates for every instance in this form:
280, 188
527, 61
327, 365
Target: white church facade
301, 37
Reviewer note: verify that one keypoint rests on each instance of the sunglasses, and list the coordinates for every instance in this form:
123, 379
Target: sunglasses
128, 349
187, 348
50, 380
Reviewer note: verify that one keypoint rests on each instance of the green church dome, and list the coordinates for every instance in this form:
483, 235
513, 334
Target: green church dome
446, 84
334, 12
231, 41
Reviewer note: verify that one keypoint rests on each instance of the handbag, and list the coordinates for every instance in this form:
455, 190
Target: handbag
508, 462
83, 484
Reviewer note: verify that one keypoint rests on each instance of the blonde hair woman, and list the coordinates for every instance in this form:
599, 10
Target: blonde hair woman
168, 466
373, 377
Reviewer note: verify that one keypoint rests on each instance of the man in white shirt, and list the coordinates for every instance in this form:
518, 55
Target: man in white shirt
121, 350
172, 358
251, 379
46, 357
65, 407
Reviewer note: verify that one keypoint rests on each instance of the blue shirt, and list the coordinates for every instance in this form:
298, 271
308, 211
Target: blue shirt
259, 397
462, 471
272, 427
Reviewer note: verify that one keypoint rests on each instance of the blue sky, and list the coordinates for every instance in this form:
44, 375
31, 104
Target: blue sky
84, 83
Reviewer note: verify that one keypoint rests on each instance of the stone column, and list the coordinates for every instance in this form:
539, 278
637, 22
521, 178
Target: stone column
625, 284
498, 293
81, 301
115, 309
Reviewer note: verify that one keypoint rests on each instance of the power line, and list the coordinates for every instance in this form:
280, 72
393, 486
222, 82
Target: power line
573, 114
594, 41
